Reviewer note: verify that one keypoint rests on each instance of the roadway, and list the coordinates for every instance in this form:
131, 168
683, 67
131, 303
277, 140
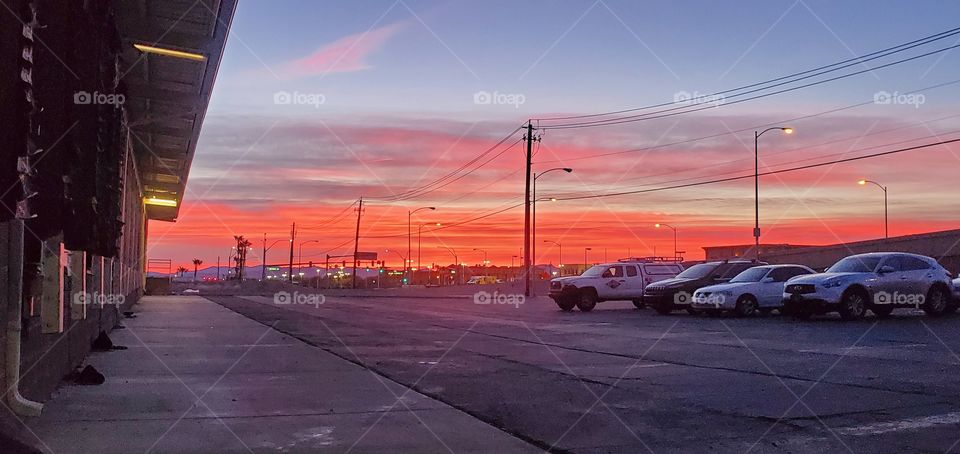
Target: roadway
625, 380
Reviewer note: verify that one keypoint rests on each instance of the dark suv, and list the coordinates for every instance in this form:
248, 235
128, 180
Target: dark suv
676, 294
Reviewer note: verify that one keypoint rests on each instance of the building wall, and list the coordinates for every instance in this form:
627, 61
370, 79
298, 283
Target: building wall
943, 246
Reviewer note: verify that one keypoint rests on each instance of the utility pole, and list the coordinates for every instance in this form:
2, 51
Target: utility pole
526, 212
218, 268
293, 234
356, 243
263, 274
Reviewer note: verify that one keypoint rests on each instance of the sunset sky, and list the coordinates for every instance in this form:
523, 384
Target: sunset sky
383, 100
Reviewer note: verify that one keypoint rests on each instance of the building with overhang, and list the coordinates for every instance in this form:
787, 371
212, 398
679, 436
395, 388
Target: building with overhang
102, 104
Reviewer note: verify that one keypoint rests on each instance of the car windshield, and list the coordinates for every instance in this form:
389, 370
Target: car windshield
751, 275
595, 271
855, 265
697, 271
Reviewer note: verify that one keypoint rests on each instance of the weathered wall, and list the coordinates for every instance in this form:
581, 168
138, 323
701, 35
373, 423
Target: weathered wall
943, 246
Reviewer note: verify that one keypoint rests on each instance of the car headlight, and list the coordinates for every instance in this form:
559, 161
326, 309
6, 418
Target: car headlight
724, 293
834, 283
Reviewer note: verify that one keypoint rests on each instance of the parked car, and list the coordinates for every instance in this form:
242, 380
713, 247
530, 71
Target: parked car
757, 289
956, 294
480, 280
622, 280
880, 282
676, 294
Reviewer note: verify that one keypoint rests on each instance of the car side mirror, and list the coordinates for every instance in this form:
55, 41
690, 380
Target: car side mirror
885, 269
768, 280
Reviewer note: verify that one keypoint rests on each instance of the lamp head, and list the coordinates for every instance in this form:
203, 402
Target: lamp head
862, 182
567, 169
787, 130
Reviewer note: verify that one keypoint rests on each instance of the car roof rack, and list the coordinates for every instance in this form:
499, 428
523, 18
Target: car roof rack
652, 259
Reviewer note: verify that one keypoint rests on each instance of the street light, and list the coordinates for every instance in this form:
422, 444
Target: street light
533, 254
419, 235
300, 256
561, 253
886, 219
585, 257
456, 261
485, 261
674, 237
756, 183
406, 266
265, 249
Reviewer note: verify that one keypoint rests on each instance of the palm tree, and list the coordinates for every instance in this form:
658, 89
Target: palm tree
243, 245
181, 270
196, 263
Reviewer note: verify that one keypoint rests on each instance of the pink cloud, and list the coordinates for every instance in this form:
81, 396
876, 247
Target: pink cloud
346, 54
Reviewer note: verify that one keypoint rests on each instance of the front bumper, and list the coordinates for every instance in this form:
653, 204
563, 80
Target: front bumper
810, 302
667, 297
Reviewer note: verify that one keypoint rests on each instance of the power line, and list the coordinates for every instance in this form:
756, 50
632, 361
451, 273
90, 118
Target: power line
750, 128
670, 112
771, 172
410, 193
856, 60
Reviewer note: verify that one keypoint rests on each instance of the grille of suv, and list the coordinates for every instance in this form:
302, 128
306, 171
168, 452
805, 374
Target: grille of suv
800, 288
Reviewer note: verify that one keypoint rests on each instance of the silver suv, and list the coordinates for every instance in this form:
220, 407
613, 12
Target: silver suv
880, 282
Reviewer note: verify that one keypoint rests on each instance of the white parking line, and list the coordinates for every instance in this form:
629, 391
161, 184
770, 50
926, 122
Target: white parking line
903, 425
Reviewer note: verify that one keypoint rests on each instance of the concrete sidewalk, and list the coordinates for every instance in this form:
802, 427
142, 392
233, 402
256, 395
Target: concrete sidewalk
198, 377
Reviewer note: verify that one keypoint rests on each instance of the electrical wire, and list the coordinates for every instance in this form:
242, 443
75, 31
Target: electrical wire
855, 60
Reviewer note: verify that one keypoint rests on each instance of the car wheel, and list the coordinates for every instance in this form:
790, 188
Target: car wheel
746, 306
588, 300
882, 311
937, 302
639, 304
663, 308
853, 305
566, 303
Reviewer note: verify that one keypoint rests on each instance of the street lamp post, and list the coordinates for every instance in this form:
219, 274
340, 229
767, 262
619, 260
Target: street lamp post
561, 253
456, 261
886, 219
300, 256
674, 237
533, 254
585, 257
406, 266
756, 184
265, 249
419, 235
485, 261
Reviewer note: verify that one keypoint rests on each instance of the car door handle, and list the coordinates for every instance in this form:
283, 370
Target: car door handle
622, 280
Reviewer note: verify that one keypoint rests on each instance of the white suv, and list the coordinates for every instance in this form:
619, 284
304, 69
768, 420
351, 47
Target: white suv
880, 281
622, 280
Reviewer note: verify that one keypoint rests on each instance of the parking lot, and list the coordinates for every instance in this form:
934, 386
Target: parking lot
619, 379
